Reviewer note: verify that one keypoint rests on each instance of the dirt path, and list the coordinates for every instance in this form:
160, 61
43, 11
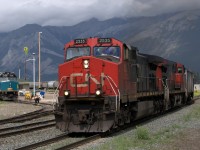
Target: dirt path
188, 140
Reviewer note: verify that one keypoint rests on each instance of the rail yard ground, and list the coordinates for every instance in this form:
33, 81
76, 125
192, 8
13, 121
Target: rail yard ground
179, 130
8, 109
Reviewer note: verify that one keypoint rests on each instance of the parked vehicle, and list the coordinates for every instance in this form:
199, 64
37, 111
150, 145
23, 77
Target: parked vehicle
22, 92
40, 93
28, 95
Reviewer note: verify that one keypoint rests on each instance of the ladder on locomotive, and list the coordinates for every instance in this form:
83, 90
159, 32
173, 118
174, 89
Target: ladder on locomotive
116, 91
166, 93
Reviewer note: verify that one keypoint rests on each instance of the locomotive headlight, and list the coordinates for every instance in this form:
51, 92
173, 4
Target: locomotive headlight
66, 93
86, 64
98, 92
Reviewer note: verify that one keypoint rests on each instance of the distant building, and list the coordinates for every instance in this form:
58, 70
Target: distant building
23, 84
196, 87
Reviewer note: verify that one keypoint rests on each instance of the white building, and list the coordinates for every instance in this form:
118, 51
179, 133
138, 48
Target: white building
196, 87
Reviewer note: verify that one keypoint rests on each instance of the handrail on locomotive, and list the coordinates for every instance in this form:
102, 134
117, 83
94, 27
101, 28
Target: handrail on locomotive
55, 95
115, 90
117, 107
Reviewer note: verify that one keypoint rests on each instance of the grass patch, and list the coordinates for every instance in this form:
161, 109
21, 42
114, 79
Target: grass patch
2, 102
142, 133
166, 133
141, 139
196, 93
194, 114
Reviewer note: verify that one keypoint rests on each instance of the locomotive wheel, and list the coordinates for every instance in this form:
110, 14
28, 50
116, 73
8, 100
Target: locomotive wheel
172, 102
162, 106
156, 106
128, 118
126, 115
183, 100
121, 121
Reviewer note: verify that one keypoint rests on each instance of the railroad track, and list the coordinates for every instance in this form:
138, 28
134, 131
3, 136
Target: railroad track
95, 137
81, 142
196, 98
10, 131
45, 110
26, 117
98, 136
44, 143
58, 138
146, 120
123, 128
88, 139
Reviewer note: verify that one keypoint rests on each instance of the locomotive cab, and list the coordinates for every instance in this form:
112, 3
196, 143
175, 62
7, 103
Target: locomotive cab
87, 67
179, 77
89, 85
8, 86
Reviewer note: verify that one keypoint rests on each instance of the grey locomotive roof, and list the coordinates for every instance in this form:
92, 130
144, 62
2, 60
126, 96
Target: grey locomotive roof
7, 74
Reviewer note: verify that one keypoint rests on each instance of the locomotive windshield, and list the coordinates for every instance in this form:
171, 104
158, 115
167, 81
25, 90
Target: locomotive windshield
180, 70
4, 76
8, 78
74, 52
111, 53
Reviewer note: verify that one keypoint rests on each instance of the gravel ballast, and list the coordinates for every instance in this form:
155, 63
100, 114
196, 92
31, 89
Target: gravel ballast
188, 128
8, 109
185, 128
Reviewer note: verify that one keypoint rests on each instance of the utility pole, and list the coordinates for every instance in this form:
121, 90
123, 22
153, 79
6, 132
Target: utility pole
26, 53
19, 73
25, 69
39, 57
33, 59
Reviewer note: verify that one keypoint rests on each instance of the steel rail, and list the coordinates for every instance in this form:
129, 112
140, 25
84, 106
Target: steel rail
7, 134
25, 117
44, 143
26, 125
81, 142
8, 120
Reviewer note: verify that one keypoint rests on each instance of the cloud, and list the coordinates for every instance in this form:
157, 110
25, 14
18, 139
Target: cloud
14, 14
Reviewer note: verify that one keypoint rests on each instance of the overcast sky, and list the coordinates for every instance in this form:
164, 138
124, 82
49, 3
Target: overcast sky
17, 13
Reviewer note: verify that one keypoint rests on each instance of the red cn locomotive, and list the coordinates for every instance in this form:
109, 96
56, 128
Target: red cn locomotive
105, 83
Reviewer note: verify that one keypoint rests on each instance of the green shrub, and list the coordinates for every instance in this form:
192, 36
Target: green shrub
1, 102
194, 114
196, 93
142, 133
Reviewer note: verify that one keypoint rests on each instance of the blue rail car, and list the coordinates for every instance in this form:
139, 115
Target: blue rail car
9, 86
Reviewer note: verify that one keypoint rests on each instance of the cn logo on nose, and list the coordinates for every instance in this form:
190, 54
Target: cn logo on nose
74, 75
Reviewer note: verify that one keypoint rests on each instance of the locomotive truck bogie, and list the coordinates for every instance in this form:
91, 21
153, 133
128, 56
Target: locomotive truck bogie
84, 116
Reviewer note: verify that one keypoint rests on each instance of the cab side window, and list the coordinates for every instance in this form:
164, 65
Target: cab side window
180, 70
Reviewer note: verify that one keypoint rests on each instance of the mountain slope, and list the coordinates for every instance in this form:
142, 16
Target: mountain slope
174, 36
